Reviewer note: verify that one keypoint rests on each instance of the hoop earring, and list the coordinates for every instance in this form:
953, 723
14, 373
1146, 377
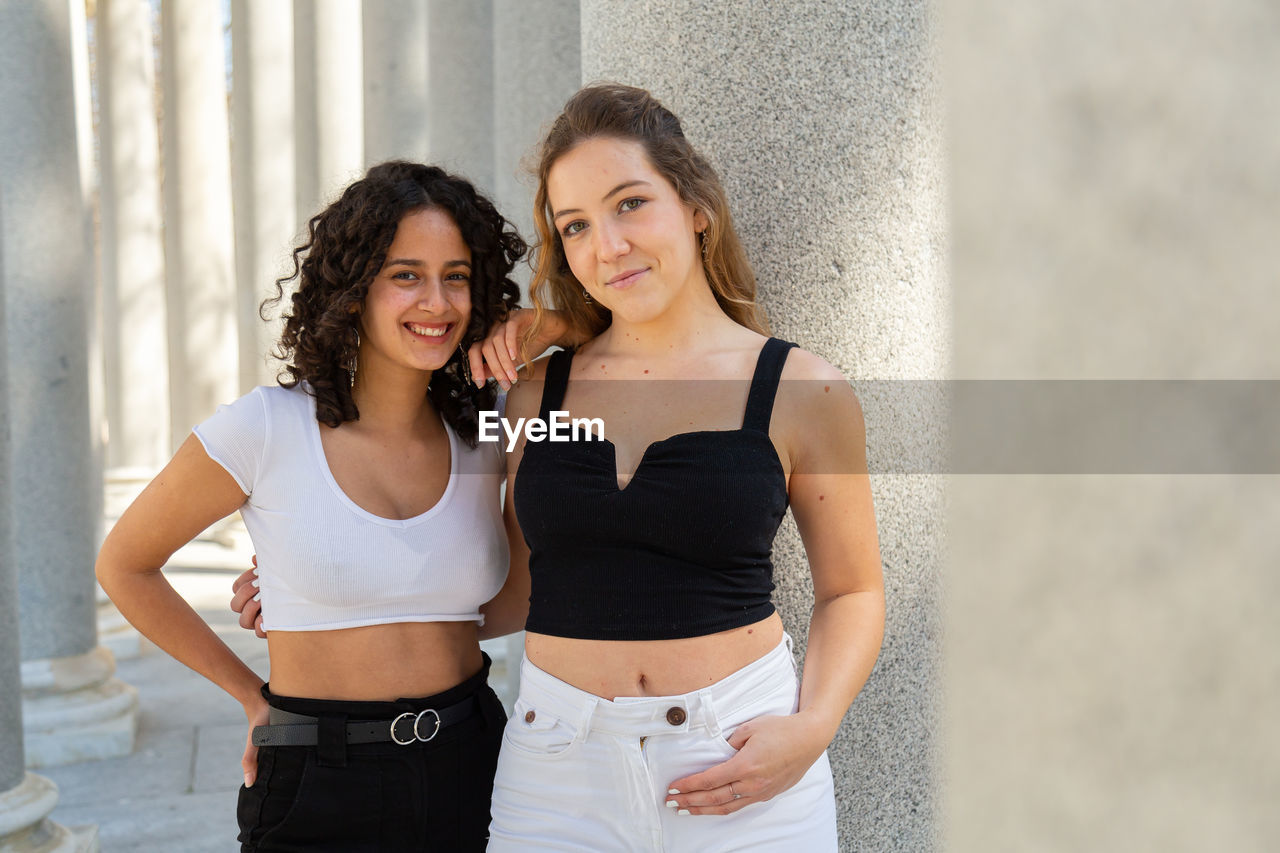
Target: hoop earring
353, 363
465, 366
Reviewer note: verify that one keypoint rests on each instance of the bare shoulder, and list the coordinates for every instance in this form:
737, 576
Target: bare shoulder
816, 404
814, 385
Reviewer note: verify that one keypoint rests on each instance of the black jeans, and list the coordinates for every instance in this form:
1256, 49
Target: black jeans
377, 796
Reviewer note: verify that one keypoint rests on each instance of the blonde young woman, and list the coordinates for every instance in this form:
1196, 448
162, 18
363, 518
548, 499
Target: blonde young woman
659, 706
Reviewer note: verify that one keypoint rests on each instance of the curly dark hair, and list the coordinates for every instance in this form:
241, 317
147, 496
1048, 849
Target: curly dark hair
345, 248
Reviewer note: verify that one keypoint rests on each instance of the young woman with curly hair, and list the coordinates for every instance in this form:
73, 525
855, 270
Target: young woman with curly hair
659, 705
374, 513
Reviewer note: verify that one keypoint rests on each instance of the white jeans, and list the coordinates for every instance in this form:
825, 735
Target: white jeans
582, 773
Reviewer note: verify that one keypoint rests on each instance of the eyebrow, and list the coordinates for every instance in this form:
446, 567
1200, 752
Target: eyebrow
414, 262
619, 188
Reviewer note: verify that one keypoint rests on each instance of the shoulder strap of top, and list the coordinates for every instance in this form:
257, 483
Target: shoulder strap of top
555, 383
764, 384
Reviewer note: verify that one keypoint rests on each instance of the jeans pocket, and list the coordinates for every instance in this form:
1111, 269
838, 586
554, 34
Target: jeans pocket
537, 732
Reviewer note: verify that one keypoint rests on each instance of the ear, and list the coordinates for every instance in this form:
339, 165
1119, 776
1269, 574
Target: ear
700, 221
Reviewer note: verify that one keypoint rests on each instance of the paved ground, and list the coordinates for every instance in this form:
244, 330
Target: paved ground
177, 792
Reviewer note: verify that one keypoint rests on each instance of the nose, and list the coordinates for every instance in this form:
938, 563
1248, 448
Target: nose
610, 242
431, 296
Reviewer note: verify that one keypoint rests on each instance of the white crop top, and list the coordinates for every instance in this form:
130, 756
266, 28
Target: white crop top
323, 562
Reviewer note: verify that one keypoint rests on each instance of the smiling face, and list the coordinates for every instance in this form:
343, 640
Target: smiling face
419, 304
628, 237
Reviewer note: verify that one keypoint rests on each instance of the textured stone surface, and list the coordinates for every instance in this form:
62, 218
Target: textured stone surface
823, 120
46, 281
1113, 679
11, 758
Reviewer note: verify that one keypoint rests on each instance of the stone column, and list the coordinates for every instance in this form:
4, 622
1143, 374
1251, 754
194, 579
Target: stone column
822, 119
1113, 675
132, 246
460, 67
203, 347
396, 107
50, 478
329, 100
263, 169
25, 798
536, 67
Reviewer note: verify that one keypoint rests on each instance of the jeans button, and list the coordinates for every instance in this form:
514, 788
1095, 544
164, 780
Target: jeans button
529, 716
676, 716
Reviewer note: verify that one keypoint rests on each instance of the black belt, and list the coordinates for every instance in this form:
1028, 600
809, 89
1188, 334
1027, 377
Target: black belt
290, 729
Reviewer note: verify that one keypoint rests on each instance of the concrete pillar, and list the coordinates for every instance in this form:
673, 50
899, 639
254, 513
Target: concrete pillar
460, 67
50, 478
1113, 675
132, 245
329, 100
396, 106
25, 798
536, 67
203, 347
263, 169
822, 120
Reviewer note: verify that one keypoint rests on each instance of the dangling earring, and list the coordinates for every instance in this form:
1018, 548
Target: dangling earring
465, 365
702, 236
353, 363
586, 297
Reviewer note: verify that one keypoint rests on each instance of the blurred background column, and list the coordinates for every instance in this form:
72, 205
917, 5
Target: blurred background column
396, 81
823, 120
460, 67
263, 185
536, 67
200, 278
73, 708
329, 100
131, 260
132, 244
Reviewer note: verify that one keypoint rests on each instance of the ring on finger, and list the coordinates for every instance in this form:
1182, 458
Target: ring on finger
736, 795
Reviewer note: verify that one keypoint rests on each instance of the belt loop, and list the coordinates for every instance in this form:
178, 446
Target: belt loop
584, 722
710, 718
331, 740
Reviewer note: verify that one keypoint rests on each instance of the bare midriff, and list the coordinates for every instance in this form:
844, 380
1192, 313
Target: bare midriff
613, 668
375, 662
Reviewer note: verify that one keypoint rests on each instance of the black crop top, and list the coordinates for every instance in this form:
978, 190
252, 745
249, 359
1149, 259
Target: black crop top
683, 551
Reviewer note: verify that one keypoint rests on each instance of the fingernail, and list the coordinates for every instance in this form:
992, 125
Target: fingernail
671, 804
673, 790
511, 374
683, 811
248, 783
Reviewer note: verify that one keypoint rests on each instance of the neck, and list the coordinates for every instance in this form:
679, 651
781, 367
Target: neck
389, 398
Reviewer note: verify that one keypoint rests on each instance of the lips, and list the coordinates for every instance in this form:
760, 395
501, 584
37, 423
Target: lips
623, 280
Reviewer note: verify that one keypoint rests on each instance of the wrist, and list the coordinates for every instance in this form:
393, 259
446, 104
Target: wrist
821, 725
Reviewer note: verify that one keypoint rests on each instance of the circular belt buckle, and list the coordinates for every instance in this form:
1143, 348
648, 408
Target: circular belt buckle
396, 722
418, 720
